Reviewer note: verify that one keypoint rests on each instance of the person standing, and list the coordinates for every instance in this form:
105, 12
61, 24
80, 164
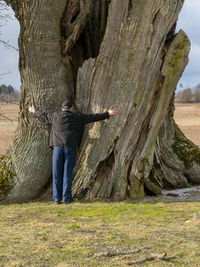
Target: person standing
66, 134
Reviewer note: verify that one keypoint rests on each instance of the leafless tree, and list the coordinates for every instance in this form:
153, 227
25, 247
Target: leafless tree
197, 94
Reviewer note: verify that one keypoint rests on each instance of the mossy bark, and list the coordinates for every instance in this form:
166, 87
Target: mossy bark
6, 176
116, 53
176, 159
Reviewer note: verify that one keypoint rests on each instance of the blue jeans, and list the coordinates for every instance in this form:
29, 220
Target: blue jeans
64, 158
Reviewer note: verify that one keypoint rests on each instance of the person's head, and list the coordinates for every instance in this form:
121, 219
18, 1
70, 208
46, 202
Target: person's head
67, 105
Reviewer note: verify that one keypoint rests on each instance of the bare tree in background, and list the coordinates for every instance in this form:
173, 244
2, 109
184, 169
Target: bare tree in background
100, 53
185, 96
189, 95
197, 94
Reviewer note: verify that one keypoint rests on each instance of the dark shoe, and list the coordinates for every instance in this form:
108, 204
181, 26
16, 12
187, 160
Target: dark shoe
68, 202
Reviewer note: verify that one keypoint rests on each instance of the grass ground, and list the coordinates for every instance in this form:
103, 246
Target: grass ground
43, 234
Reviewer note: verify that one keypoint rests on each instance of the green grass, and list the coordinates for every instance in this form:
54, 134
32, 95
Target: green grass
43, 234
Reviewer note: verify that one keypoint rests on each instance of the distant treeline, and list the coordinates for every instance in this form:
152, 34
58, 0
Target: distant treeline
8, 93
188, 95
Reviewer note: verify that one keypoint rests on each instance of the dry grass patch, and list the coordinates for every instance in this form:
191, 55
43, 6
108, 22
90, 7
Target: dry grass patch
187, 116
7, 127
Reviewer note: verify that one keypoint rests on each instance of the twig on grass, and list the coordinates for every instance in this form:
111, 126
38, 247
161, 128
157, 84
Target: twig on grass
151, 258
115, 252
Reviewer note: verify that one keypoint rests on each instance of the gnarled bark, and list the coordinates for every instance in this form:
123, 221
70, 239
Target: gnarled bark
116, 53
45, 83
141, 67
176, 159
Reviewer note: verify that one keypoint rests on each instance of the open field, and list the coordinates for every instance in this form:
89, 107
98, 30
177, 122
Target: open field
8, 112
187, 117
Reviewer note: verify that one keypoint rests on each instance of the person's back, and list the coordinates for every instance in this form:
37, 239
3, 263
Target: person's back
67, 128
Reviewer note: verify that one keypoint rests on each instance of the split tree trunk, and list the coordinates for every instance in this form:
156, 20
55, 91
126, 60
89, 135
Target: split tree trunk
137, 69
116, 53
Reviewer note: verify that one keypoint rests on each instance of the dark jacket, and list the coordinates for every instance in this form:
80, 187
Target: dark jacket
68, 127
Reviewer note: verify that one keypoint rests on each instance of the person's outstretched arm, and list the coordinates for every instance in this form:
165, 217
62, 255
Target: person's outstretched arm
99, 116
40, 114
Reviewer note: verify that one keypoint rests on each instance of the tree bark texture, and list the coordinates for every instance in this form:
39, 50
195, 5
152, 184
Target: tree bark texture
137, 69
116, 53
45, 83
176, 159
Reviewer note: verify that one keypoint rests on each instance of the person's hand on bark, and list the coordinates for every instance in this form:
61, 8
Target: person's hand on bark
112, 112
31, 109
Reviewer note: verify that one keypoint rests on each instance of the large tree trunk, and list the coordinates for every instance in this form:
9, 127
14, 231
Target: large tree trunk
116, 53
45, 83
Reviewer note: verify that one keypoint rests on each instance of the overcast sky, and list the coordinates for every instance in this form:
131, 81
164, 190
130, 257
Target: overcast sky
189, 21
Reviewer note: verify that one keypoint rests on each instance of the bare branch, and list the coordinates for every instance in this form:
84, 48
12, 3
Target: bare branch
4, 17
8, 102
5, 117
6, 73
7, 45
